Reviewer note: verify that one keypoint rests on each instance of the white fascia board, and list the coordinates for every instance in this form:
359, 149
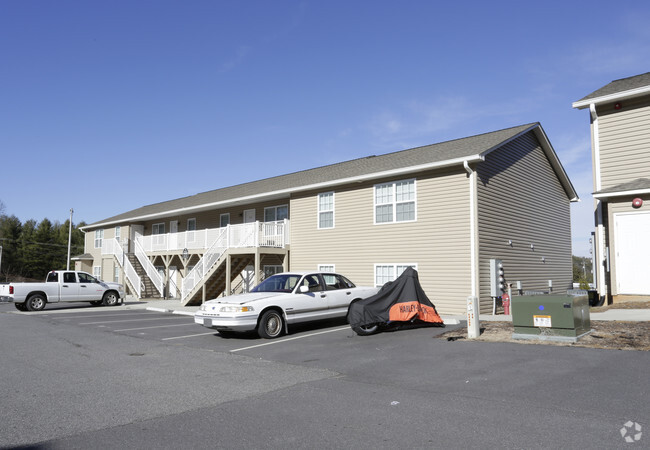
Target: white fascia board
286, 192
606, 195
612, 97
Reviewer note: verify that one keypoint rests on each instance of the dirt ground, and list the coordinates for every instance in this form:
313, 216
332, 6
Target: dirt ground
606, 334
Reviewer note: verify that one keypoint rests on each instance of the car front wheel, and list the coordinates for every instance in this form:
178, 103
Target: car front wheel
110, 299
270, 325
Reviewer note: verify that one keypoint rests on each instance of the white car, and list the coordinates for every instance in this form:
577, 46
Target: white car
280, 300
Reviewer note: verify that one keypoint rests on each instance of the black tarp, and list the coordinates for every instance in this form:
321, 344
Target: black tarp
402, 301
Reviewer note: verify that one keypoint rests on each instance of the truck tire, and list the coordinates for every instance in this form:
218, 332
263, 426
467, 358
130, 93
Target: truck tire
35, 303
110, 299
20, 306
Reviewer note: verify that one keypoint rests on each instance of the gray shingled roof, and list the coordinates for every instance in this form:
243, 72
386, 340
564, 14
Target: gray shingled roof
640, 184
618, 87
445, 152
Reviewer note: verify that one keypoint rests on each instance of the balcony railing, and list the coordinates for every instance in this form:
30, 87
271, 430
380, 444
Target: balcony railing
254, 234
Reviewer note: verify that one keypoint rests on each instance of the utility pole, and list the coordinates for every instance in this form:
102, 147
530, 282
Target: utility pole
69, 239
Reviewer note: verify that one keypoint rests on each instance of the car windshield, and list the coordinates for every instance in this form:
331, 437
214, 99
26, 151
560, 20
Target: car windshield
277, 283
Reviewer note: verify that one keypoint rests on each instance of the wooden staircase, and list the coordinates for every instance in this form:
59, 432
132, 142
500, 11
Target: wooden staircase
215, 283
148, 288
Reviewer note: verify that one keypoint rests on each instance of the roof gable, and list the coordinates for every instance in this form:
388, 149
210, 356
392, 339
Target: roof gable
449, 153
617, 90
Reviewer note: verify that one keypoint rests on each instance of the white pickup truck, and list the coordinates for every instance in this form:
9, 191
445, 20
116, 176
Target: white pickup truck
61, 286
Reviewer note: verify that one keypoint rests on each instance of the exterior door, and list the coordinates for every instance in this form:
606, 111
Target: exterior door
69, 287
136, 231
632, 235
249, 215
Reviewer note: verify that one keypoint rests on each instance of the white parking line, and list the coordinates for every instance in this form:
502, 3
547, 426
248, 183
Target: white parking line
133, 320
61, 316
280, 341
188, 336
157, 326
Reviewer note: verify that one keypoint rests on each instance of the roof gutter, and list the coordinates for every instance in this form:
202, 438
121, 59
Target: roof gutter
581, 104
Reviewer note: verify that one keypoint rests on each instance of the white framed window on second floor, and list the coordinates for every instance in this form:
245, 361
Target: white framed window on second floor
99, 238
118, 233
395, 202
390, 271
158, 228
276, 213
326, 210
224, 220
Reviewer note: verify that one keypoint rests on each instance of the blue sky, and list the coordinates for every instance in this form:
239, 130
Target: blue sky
109, 106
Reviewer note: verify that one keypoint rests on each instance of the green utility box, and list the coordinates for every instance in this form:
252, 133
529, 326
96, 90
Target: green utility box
552, 317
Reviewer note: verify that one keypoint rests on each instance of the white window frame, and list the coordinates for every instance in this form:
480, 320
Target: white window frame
99, 238
97, 272
327, 268
223, 216
271, 269
118, 232
116, 274
323, 211
393, 202
397, 270
275, 213
158, 228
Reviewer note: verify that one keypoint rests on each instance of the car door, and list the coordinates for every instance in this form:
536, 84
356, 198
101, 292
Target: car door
310, 305
339, 293
69, 287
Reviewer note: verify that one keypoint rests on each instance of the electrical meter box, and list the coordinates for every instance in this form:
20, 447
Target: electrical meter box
552, 317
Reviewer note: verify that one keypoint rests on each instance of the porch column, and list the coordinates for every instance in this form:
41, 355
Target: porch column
258, 270
228, 273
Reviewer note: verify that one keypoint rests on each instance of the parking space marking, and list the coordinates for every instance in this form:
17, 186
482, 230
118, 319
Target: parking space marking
60, 316
133, 320
188, 336
157, 326
280, 341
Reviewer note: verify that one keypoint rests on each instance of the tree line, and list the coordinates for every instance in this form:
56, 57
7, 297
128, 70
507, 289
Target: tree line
31, 249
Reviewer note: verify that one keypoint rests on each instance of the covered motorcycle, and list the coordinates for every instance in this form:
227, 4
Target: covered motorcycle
398, 303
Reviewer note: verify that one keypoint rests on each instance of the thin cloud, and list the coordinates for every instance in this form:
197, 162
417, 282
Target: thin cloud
240, 56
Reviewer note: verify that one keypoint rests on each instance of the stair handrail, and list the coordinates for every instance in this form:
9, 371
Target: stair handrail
203, 266
114, 247
148, 267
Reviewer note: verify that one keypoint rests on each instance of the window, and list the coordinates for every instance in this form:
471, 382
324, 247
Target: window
334, 282
99, 238
224, 220
389, 272
118, 233
116, 274
326, 210
326, 268
85, 278
97, 272
158, 228
276, 213
395, 202
69, 277
272, 270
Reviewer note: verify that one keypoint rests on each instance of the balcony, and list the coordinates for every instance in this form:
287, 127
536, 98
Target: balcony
254, 234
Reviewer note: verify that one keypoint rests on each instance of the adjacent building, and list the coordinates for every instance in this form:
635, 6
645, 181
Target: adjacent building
620, 142
445, 209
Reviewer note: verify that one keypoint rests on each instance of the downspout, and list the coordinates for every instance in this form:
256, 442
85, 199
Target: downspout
472, 219
601, 286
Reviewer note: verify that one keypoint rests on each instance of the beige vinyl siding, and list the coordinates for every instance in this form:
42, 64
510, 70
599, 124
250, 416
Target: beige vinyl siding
624, 139
438, 241
620, 205
521, 199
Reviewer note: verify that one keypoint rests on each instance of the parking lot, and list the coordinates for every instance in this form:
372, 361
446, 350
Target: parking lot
132, 378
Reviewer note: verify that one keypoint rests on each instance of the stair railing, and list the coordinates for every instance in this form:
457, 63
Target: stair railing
113, 246
210, 257
148, 267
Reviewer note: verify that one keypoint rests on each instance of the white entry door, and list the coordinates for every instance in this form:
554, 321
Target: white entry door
632, 234
173, 236
249, 215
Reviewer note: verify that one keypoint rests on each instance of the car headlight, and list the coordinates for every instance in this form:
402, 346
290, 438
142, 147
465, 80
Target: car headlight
235, 309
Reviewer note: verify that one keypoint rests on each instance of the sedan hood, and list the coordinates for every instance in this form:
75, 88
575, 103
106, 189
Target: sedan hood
245, 298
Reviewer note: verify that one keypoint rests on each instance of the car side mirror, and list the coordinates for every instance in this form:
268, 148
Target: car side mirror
304, 289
